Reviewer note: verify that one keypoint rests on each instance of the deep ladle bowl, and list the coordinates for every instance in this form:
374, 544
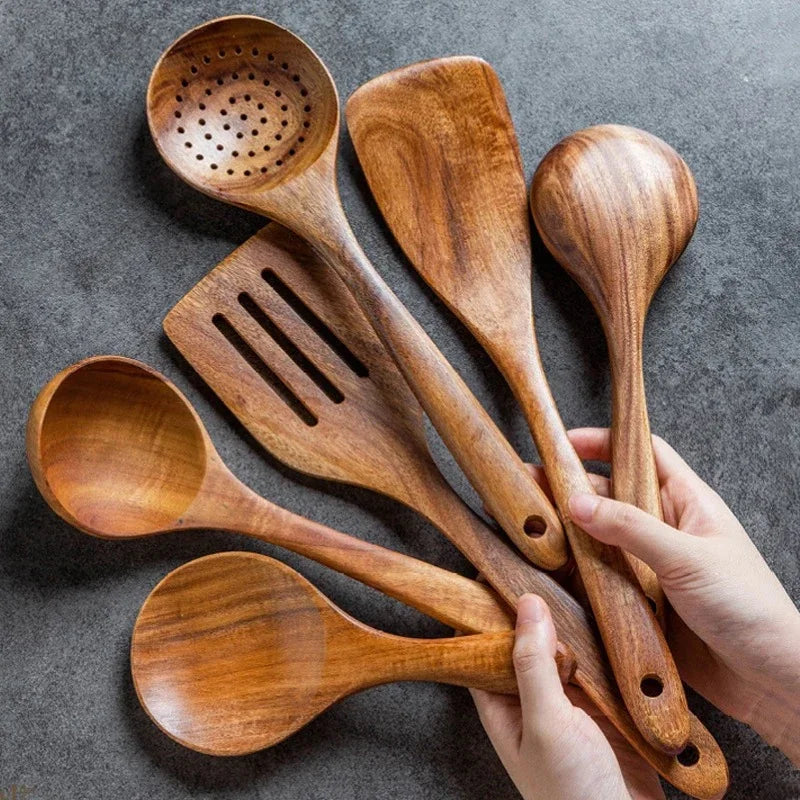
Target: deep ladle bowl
115, 450
239, 105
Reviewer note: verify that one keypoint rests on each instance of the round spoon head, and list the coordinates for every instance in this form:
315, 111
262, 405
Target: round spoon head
115, 448
616, 206
234, 652
239, 105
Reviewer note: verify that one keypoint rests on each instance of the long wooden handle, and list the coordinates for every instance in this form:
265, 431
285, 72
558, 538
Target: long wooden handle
637, 649
482, 661
633, 465
492, 466
456, 601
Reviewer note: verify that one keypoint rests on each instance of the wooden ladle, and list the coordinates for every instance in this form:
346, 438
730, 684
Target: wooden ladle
246, 112
117, 451
439, 151
234, 652
616, 207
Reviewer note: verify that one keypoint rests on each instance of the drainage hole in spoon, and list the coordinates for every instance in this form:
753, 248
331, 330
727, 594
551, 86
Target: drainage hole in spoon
651, 686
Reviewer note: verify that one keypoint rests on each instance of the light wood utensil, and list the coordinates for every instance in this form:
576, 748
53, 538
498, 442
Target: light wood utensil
311, 334
438, 148
246, 112
616, 207
235, 652
118, 451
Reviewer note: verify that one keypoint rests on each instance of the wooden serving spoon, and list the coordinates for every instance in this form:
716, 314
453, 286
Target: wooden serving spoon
616, 207
118, 451
234, 652
276, 334
438, 148
246, 112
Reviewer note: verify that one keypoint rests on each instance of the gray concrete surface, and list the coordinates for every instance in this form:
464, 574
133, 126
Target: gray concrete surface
99, 240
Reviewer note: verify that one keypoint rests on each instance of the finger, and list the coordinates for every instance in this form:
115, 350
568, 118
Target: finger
600, 484
634, 530
500, 716
541, 694
591, 444
669, 464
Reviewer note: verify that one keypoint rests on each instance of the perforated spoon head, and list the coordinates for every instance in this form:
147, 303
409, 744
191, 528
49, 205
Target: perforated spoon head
239, 106
616, 206
115, 449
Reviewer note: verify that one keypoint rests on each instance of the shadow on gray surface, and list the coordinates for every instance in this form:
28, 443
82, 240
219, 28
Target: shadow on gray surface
184, 204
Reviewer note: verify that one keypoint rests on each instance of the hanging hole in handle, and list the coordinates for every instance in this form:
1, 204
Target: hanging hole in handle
652, 603
651, 686
535, 526
689, 756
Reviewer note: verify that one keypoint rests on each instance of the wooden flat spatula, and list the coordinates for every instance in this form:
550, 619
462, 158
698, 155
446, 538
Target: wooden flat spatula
304, 328
438, 147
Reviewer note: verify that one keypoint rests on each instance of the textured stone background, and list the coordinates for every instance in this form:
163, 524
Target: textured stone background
99, 240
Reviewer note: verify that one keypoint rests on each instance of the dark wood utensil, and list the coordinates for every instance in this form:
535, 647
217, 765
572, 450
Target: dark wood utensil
246, 112
437, 145
118, 451
235, 652
616, 207
311, 334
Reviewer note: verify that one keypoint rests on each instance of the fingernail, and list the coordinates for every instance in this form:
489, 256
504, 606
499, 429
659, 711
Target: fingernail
531, 609
583, 506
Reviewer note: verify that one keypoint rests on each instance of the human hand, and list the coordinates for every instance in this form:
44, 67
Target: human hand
549, 743
735, 632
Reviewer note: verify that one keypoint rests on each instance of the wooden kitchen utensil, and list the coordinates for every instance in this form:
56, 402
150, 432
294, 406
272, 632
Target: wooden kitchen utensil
246, 112
438, 148
117, 451
616, 207
273, 331
235, 652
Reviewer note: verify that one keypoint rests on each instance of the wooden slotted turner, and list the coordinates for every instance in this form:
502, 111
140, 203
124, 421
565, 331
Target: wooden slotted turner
373, 437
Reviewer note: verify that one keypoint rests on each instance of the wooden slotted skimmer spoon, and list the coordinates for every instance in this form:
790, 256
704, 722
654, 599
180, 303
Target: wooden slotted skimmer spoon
270, 329
246, 112
235, 652
437, 145
616, 207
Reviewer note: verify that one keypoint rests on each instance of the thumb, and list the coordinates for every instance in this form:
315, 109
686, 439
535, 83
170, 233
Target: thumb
541, 694
659, 545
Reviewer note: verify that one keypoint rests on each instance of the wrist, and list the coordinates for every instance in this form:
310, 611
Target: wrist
775, 715
777, 720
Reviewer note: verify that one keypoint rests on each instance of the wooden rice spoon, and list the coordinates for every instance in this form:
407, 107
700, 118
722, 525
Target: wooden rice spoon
234, 652
438, 148
616, 207
246, 112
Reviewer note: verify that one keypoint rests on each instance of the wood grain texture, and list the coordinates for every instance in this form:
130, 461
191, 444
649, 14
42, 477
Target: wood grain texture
118, 452
439, 151
616, 206
374, 437
234, 652
298, 189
